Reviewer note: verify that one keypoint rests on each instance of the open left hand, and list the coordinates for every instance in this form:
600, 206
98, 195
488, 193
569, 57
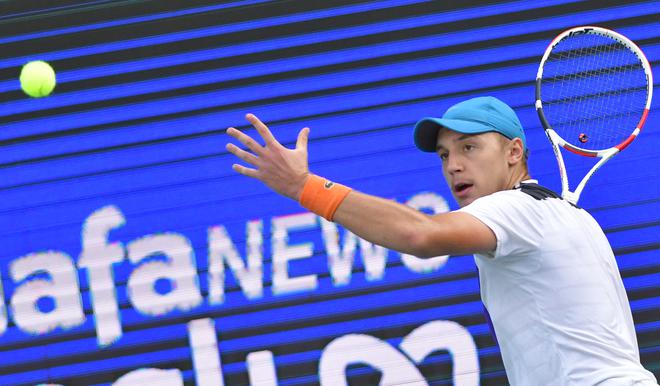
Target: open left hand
283, 170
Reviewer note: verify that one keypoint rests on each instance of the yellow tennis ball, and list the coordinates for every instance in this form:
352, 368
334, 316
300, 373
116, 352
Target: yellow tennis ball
37, 79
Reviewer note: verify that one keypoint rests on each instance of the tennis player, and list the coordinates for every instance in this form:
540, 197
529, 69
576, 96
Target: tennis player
548, 276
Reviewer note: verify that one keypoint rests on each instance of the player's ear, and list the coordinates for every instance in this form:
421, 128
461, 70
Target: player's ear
516, 152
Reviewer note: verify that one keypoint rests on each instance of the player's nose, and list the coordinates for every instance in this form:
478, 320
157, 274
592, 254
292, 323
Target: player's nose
454, 164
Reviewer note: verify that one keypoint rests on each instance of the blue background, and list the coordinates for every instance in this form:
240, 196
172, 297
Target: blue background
145, 92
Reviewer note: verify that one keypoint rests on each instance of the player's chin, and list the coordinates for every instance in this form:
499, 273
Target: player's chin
465, 197
464, 201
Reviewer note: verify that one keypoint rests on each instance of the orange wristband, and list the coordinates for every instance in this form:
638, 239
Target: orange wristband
322, 196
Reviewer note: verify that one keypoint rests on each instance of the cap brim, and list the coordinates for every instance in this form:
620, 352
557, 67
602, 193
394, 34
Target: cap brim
426, 130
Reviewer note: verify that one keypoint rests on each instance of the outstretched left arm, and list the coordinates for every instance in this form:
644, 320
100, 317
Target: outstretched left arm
380, 221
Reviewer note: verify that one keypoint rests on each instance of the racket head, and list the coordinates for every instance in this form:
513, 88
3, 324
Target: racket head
593, 90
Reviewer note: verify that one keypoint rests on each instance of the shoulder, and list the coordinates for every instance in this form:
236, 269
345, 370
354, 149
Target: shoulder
526, 195
507, 208
516, 217
503, 196
505, 199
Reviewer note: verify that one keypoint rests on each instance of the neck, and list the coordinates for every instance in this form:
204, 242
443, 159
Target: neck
517, 177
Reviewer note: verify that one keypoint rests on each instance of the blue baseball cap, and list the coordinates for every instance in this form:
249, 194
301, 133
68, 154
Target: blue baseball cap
473, 116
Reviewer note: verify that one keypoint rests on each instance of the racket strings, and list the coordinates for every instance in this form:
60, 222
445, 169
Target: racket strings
593, 90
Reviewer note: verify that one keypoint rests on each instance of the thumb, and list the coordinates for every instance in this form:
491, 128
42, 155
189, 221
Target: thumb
303, 137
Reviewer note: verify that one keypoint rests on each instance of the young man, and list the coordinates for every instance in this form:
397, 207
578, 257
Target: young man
549, 279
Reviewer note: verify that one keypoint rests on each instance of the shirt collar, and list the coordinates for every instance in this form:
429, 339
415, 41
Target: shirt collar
529, 181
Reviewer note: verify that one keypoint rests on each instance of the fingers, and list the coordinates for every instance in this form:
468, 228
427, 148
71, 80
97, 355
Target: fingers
303, 137
242, 154
262, 129
244, 170
246, 140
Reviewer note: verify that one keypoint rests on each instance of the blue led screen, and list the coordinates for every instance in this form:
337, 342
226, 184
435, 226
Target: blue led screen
131, 253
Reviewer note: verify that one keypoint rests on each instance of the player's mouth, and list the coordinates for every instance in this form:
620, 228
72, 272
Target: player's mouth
463, 189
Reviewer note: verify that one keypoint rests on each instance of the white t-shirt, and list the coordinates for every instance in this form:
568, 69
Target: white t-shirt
554, 293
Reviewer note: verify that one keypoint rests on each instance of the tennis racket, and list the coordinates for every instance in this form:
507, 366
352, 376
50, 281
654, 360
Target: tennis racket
593, 94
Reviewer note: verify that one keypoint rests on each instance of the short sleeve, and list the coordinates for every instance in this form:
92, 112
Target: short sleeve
514, 217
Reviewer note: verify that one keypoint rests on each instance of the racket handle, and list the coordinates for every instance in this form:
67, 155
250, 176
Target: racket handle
571, 197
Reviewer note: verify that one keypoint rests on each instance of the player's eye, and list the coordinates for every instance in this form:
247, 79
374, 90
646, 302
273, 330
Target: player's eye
444, 155
468, 147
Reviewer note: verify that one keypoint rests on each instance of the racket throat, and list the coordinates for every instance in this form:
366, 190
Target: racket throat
571, 197
574, 196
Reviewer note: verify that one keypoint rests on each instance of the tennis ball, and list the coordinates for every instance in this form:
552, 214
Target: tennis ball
37, 79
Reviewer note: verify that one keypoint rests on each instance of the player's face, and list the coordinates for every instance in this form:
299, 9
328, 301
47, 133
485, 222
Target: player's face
474, 165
